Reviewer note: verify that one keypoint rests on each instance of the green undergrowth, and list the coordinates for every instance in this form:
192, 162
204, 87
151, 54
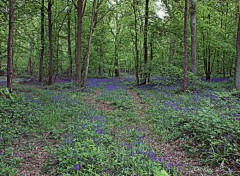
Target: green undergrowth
90, 141
207, 121
118, 98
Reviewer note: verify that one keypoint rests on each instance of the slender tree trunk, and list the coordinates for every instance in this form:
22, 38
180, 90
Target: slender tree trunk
136, 44
30, 70
89, 43
208, 75
40, 73
151, 58
50, 68
75, 33
116, 63
193, 37
237, 77
171, 50
79, 42
217, 57
10, 46
145, 43
101, 51
208, 51
69, 42
0, 55
185, 45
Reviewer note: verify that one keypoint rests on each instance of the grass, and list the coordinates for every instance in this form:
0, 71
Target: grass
85, 139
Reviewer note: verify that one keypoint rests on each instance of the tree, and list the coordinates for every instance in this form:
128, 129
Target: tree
79, 41
50, 66
0, 56
237, 77
101, 64
89, 43
30, 69
193, 37
136, 43
10, 46
185, 44
69, 40
145, 43
40, 72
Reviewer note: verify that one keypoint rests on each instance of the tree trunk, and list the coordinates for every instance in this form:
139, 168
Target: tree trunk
69, 42
50, 66
171, 50
151, 58
146, 70
208, 73
30, 71
193, 37
116, 63
185, 45
0, 55
101, 51
10, 46
79, 42
40, 73
89, 43
136, 44
237, 75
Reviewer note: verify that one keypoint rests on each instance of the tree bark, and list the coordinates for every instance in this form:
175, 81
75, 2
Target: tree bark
69, 41
40, 72
101, 69
185, 45
79, 42
136, 44
171, 50
193, 37
208, 51
146, 70
10, 46
50, 66
0, 56
237, 75
89, 43
30, 70
116, 63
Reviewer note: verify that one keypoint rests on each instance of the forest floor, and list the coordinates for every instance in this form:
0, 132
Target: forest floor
116, 128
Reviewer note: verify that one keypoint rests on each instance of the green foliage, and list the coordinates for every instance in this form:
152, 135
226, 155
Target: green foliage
18, 117
160, 173
172, 72
207, 121
5, 93
118, 97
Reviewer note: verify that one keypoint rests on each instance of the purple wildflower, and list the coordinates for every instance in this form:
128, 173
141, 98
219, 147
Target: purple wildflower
77, 167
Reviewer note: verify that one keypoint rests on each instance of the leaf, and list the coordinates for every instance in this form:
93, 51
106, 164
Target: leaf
160, 173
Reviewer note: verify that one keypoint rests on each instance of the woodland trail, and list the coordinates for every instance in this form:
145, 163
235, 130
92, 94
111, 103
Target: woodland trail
36, 159
169, 150
32, 149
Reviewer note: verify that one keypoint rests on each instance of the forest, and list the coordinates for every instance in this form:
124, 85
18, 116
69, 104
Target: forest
120, 87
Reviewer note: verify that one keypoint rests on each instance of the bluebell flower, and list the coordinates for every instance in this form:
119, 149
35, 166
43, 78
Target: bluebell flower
83, 126
168, 167
77, 167
131, 154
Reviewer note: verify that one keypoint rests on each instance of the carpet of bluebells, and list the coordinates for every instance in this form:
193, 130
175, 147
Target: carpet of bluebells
91, 141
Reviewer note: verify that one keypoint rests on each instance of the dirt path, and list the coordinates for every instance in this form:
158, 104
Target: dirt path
35, 160
102, 105
171, 150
